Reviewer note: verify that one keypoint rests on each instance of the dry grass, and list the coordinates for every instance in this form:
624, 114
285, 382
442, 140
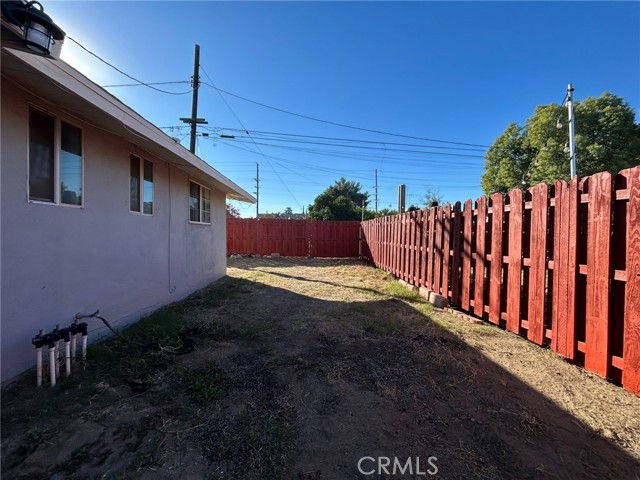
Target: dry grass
303, 366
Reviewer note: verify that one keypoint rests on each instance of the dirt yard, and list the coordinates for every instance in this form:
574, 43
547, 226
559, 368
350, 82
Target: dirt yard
303, 367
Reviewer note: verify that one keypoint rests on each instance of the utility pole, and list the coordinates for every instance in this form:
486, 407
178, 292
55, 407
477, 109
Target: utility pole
402, 191
376, 190
194, 120
360, 233
572, 131
257, 189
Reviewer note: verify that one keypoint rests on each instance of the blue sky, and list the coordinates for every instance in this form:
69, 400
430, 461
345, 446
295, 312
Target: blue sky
447, 71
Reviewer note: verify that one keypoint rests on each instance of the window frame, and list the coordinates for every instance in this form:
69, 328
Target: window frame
200, 198
57, 157
141, 190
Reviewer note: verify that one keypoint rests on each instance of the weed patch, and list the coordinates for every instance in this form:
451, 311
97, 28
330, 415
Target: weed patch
206, 384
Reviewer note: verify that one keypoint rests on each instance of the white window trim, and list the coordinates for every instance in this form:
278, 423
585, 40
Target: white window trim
200, 211
141, 199
57, 145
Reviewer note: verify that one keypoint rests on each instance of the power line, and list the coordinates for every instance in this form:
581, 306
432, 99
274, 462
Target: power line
343, 125
362, 147
140, 82
366, 156
342, 139
245, 129
357, 174
144, 84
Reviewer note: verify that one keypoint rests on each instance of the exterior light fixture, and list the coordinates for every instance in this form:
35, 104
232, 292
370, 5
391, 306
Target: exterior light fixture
40, 33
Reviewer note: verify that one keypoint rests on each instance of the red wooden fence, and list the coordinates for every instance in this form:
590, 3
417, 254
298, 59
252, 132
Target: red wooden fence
558, 264
292, 238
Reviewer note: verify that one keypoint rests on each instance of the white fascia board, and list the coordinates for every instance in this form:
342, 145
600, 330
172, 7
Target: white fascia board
76, 83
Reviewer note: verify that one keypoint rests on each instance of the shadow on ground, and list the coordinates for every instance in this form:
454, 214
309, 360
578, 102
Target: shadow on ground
285, 385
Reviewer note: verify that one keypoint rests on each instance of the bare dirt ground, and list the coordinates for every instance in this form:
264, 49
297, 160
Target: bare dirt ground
302, 367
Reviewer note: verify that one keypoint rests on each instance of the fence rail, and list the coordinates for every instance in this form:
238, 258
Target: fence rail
292, 238
558, 264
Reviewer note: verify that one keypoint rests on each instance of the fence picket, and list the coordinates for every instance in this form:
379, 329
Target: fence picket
560, 305
478, 269
437, 273
631, 354
598, 274
515, 261
467, 215
538, 260
446, 245
456, 255
495, 275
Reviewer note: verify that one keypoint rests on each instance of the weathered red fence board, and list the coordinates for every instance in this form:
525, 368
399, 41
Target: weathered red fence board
456, 255
560, 313
560, 265
538, 263
631, 356
598, 273
292, 238
467, 216
478, 269
446, 249
495, 269
514, 283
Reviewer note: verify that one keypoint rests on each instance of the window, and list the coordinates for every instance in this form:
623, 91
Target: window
141, 186
55, 160
199, 203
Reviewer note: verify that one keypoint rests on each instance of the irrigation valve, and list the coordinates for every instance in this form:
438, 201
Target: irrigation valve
53, 341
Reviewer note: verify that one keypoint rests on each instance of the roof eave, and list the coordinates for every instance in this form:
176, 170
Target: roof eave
134, 125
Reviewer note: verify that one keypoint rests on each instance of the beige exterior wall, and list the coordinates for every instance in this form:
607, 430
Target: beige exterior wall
57, 260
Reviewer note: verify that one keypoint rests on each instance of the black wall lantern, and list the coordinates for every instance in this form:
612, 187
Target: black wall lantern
40, 33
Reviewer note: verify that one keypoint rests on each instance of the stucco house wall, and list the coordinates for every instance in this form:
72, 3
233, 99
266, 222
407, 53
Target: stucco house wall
59, 260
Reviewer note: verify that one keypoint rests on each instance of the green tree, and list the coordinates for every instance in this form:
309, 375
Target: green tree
341, 201
607, 138
385, 212
507, 162
232, 211
431, 196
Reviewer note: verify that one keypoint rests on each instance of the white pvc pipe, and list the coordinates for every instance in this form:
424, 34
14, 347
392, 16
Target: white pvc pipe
67, 358
84, 347
57, 362
73, 347
39, 366
52, 365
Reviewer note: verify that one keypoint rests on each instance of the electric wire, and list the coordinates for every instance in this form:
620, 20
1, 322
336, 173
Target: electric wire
343, 125
144, 84
247, 131
382, 178
342, 139
363, 147
140, 82
367, 157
